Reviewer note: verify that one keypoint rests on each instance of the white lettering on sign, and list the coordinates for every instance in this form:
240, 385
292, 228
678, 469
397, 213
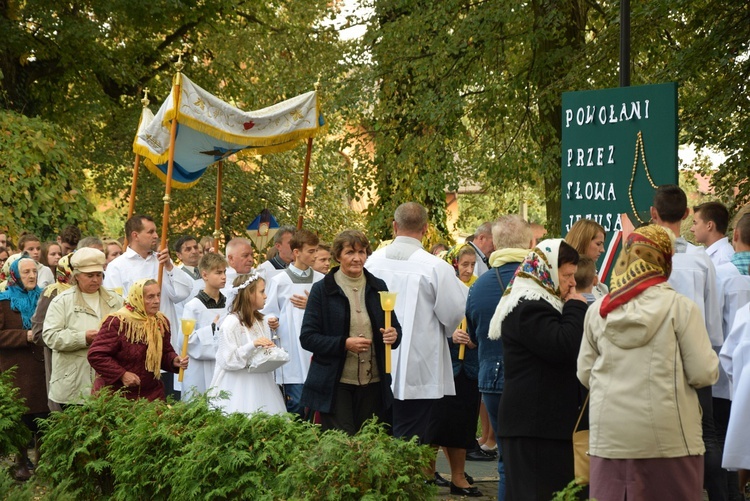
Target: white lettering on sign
591, 191
591, 157
614, 113
609, 221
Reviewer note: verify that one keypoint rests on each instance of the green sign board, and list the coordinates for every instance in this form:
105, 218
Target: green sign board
617, 146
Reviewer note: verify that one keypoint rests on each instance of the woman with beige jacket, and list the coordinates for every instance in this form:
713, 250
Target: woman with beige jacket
72, 321
644, 352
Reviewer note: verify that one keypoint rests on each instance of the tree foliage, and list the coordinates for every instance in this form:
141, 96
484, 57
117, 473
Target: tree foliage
83, 65
44, 188
434, 93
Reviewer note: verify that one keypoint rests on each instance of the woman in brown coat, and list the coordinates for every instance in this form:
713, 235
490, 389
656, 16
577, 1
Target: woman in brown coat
17, 348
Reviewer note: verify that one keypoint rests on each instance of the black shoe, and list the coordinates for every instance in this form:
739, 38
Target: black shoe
469, 478
471, 492
480, 455
440, 481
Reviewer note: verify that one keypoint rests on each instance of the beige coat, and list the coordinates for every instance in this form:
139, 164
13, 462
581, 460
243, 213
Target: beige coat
68, 318
642, 364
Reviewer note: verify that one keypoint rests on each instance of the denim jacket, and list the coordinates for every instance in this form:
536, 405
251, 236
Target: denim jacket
483, 298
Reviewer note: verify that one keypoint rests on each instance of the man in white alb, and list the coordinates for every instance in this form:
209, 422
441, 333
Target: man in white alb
283, 257
140, 260
430, 305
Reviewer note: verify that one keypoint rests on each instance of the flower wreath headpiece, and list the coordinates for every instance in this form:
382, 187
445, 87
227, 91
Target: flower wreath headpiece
252, 278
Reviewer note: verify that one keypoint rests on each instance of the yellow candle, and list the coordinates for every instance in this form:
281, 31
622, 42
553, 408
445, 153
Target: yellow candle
462, 348
188, 324
388, 303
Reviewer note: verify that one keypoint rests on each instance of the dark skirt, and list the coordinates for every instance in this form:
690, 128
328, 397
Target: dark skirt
455, 420
536, 468
654, 479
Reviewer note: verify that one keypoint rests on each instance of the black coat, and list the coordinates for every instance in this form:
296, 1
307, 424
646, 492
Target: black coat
542, 395
325, 329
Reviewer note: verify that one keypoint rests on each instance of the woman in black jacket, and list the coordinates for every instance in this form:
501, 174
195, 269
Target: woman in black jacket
344, 328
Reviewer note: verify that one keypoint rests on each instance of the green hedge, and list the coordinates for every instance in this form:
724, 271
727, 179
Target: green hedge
120, 449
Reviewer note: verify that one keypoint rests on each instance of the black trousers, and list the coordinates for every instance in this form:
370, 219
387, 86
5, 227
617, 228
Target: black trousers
352, 406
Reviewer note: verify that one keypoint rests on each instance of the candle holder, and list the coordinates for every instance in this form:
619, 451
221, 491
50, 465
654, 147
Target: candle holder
388, 303
462, 348
187, 324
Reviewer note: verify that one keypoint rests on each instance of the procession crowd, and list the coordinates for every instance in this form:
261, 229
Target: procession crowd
508, 330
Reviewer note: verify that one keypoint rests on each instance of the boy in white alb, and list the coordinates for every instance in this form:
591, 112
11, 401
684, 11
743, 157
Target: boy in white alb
287, 297
208, 309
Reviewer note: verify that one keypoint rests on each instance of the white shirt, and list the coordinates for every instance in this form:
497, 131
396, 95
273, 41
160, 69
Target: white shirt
202, 346
720, 251
736, 290
176, 286
693, 275
480, 267
735, 359
279, 291
267, 270
45, 276
430, 305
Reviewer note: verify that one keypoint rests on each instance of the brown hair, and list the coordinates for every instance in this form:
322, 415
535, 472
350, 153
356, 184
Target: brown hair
211, 261
670, 203
27, 237
46, 246
241, 305
714, 212
135, 224
300, 238
585, 273
349, 238
582, 233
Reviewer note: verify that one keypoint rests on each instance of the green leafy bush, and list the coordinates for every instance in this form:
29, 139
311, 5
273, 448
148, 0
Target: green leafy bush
76, 446
13, 433
114, 447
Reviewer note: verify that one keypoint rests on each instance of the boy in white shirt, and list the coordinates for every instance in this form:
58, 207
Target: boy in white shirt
208, 309
287, 294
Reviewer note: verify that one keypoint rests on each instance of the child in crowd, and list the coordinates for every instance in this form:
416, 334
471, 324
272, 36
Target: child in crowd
243, 338
586, 278
323, 259
208, 309
30, 244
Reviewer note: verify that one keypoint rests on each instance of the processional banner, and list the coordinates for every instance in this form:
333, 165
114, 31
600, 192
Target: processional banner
210, 130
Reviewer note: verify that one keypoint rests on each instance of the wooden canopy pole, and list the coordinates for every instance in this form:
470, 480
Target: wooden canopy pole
170, 166
136, 167
217, 218
304, 184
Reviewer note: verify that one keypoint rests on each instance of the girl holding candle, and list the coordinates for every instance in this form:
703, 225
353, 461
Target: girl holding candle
344, 328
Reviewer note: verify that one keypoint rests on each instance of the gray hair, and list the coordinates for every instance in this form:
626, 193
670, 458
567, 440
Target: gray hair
410, 216
283, 231
511, 232
483, 229
94, 242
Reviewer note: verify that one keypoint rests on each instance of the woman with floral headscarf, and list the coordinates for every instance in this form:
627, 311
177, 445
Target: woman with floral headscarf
645, 351
17, 347
133, 347
540, 322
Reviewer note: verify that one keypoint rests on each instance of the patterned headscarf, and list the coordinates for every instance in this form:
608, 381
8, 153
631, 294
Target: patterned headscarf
63, 273
536, 278
21, 300
139, 327
645, 260
451, 256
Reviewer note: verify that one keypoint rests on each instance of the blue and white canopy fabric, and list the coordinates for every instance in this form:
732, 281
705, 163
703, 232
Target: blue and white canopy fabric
210, 130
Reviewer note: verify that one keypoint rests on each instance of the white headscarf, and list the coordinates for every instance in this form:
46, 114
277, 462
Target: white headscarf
536, 278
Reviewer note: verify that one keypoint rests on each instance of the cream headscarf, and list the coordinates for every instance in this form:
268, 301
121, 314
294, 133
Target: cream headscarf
138, 327
536, 278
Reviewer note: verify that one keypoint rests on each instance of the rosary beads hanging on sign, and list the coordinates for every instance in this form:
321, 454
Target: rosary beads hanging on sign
639, 147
